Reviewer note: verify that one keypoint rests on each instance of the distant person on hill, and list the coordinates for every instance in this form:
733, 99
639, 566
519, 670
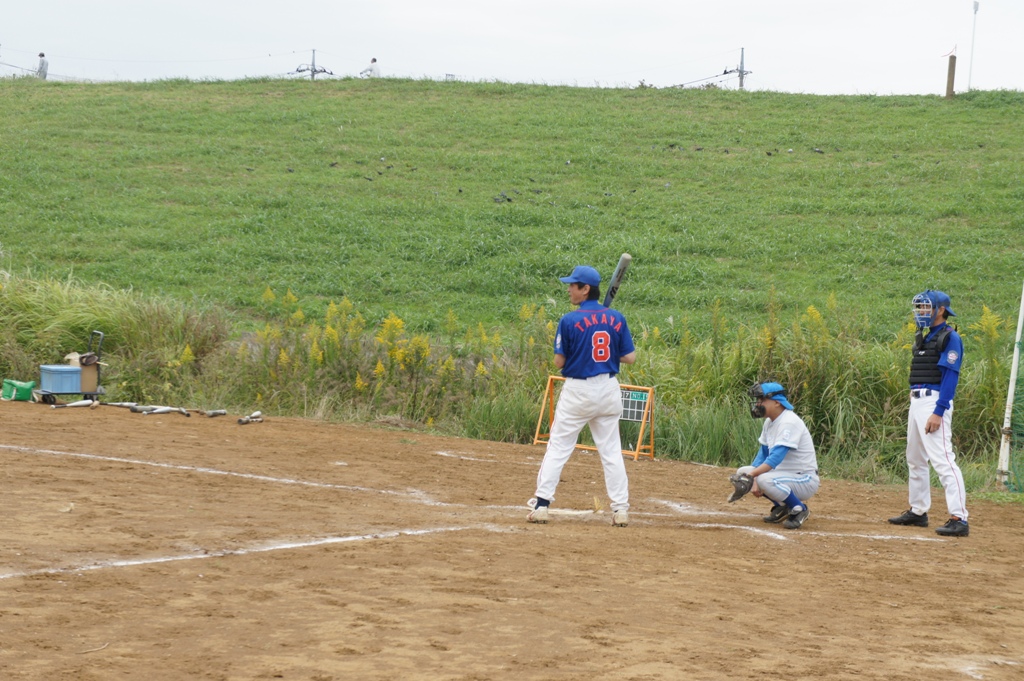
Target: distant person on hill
44, 66
371, 71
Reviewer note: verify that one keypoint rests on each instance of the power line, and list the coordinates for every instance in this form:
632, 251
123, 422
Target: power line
160, 61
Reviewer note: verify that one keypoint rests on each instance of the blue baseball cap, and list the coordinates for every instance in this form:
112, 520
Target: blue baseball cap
582, 274
939, 299
775, 391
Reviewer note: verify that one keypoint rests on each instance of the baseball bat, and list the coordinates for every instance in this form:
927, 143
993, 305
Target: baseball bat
620, 271
79, 403
167, 410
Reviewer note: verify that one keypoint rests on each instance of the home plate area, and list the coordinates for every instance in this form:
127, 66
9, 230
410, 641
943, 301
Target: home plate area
171, 548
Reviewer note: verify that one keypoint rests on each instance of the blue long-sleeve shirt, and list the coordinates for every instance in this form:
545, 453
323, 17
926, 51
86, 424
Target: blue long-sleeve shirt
773, 457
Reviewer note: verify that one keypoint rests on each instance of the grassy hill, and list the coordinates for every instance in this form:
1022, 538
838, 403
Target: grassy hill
419, 197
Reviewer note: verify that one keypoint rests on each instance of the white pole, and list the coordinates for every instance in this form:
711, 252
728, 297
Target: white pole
970, 69
1003, 473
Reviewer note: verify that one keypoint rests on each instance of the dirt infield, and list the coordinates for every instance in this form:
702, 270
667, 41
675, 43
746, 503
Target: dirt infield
165, 547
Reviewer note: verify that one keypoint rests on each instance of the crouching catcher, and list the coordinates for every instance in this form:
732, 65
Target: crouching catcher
785, 468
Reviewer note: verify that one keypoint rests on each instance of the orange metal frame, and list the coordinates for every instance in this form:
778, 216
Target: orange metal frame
547, 405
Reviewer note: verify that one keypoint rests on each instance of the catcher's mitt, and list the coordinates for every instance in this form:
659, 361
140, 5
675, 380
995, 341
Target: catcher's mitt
742, 483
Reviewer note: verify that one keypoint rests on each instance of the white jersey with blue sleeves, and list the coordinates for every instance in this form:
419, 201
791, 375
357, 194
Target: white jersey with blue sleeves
789, 430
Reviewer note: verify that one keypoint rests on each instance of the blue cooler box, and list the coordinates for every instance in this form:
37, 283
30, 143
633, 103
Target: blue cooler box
60, 378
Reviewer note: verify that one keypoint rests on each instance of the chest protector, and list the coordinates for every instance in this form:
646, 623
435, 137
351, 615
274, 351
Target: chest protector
924, 366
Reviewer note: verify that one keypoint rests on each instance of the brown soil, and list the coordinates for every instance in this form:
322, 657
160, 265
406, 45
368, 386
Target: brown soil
165, 547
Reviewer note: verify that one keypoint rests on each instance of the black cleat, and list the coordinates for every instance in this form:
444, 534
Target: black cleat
797, 518
910, 518
778, 513
954, 527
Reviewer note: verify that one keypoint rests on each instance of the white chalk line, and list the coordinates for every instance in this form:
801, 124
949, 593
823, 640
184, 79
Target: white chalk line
212, 471
473, 458
259, 548
745, 528
683, 508
421, 497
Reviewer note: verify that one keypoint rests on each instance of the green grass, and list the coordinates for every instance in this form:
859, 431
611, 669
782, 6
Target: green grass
772, 234
216, 190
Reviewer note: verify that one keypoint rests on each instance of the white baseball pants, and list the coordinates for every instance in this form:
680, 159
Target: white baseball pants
935, 448
597, 402
776, 485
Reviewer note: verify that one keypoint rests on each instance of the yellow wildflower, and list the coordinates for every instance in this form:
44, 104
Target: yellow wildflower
268, 295
390, 329
356, 325
446, 368
283, 360
419, 350
361, 385
451, 322
379, 370
186, 355
481, 370
331, 337
289, 298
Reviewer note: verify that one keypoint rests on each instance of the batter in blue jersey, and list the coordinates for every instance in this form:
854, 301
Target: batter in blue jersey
591, 343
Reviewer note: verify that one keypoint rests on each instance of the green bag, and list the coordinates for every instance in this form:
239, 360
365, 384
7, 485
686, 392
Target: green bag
20, 391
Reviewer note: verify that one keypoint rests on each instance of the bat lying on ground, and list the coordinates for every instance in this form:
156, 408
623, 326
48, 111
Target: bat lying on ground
156, 409
255, 417
125, 405
620, 271
79, 403
167, 410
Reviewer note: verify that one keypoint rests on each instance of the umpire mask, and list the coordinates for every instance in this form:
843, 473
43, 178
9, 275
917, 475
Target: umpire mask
924, 311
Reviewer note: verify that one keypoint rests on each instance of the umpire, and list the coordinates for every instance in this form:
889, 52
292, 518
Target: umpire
934, 373
590, 344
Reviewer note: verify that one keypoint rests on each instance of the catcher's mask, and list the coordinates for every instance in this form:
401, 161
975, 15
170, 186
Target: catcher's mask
924, 311
766, 391
926, 305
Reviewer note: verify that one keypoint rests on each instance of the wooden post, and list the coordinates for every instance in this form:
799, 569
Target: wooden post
950, 76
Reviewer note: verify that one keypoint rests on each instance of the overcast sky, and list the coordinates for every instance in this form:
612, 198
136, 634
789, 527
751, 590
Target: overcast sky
814, 46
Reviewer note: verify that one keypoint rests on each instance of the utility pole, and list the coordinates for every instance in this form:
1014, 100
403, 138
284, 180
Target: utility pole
312, 68
950, 76
742, 71
970, 69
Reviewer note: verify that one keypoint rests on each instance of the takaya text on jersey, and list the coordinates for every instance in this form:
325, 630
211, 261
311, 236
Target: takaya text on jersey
592, 339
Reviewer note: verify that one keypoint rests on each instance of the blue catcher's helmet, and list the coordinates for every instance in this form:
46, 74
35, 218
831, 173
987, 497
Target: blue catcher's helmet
926, 306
